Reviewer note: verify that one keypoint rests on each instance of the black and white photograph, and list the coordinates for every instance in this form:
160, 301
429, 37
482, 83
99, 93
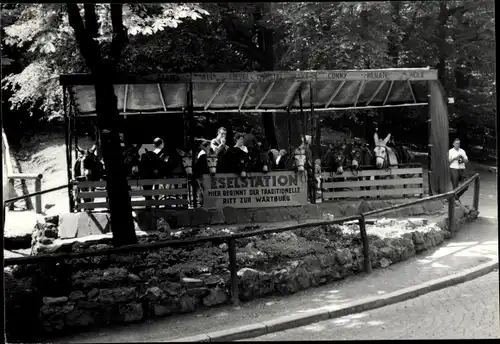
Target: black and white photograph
249, 171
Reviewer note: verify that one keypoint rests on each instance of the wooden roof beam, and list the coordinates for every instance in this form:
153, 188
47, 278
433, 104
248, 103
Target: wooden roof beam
411, 90
337, 90
376, 92
245, 96
388, 93
265, 94
360, 89
207, 105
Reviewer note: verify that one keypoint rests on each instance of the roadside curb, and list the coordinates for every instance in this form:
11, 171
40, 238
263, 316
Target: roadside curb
325, 313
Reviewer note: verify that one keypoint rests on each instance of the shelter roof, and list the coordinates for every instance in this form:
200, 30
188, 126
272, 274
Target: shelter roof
327, 90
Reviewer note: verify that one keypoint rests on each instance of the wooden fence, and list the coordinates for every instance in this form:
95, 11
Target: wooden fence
372, 183
171, 192
9, 190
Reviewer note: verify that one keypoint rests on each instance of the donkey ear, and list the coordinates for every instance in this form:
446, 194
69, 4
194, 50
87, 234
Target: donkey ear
181, 153
93, 148
375, 138
387, 138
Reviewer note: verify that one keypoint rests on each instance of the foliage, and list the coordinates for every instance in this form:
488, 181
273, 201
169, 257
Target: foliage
43, 33
456, 37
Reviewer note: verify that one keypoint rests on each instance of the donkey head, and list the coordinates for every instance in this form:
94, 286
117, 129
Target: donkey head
187, 162
299, 156
380, 150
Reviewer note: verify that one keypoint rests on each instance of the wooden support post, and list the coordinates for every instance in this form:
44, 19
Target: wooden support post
12, 193
475, 202
366, 245
190, 104
235, 299
451, 215
38, 198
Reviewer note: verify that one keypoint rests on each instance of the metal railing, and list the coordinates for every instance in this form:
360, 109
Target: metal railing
11, 176
231, 238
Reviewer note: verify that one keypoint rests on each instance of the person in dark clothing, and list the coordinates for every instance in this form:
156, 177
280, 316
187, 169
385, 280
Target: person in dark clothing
250, 141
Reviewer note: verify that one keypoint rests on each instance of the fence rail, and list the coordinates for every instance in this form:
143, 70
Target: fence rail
231, 238
176, 194
11, 176
405, 181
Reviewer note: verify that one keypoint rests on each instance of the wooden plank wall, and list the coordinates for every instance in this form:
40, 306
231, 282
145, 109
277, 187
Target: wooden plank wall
396, 182
172, 192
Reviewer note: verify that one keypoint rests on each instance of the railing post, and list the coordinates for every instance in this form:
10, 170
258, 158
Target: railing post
12, 193
38, 198
366, 247
234, 271
475, 203
451, 215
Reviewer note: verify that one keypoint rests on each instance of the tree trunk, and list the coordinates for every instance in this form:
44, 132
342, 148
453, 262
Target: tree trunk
266, 63
108, 117
122, 222
393, 46
441, 34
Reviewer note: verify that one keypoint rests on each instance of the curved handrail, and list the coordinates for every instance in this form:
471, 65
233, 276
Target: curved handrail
232, 237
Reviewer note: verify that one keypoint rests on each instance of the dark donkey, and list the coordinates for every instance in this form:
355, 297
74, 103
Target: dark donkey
88, 167
359, 157
152, 167
178, 165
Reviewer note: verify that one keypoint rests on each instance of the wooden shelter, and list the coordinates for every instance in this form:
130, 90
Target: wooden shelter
304, 92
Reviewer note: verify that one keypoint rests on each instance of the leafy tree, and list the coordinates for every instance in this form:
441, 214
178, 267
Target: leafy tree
100, 37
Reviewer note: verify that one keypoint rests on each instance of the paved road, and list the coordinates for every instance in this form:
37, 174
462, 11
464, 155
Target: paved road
465, 311
475, 243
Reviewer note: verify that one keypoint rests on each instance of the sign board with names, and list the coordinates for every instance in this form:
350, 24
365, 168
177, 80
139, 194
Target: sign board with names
259, 190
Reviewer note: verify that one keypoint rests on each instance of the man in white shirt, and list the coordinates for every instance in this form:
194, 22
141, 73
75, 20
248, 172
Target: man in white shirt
219, 142
457, 159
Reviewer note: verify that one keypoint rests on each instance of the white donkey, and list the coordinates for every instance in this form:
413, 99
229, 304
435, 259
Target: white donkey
385, 158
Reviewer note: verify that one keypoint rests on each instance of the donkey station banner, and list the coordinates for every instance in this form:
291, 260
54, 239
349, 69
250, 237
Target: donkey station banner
258, 190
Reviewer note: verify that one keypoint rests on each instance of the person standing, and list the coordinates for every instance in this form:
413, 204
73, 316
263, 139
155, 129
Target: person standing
457, 159
250, 141
219, 142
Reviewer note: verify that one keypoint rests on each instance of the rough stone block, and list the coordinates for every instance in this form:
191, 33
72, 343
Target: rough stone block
79, 318
418, 209
171, 288
237, 216
131, 312
54, 301
286, 214
344, 256
384, 262
215, 296
294, 212
188, 304
336, 209
312, 211
260, 215
433, 207
54, 219
418, 238
350, 209
182, 219
216, 216
192, 282
77, 225
145, 220
364, 206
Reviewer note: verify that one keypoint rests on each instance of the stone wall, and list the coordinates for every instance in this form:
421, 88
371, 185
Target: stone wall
231, 216
124, 288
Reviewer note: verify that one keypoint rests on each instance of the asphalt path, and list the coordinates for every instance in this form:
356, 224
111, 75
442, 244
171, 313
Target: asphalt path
466, 311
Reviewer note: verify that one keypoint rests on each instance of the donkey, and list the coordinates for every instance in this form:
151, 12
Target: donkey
385, 157
88, 167
152, 166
